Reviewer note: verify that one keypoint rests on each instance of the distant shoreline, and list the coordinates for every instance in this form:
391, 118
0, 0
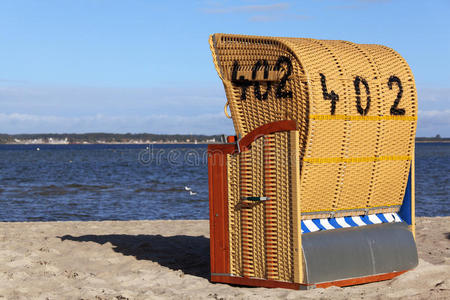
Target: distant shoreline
443, 141
427, 142
107, 138
125, 143
134, 138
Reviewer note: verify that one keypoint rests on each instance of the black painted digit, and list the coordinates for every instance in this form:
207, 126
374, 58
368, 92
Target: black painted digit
357, 83
241, 82
394, 109
328, 96
257, 85
279, 93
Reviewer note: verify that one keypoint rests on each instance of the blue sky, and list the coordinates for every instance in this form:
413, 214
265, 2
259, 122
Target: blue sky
145, 66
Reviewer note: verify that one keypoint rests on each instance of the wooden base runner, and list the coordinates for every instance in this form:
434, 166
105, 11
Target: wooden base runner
360, 280
301, 286
255, 282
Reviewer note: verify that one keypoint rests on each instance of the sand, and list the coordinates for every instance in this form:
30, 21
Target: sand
170, 260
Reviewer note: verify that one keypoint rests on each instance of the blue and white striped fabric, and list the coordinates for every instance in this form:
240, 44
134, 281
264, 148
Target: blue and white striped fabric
343, 222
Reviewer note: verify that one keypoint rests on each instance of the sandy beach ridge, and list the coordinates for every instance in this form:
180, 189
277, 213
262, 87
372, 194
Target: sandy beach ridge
170, 260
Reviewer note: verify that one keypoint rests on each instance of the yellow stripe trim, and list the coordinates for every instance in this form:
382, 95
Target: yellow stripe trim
348, 209
362, 118
325, 160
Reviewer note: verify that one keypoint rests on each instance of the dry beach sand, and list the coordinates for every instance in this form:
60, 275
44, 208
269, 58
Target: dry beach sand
170, 260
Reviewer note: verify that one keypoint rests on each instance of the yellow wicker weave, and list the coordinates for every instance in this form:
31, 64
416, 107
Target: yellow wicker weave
263, 243
356, 107
234, 214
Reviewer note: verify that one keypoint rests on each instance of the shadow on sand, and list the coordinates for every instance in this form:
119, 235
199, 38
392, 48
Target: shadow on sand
189, 254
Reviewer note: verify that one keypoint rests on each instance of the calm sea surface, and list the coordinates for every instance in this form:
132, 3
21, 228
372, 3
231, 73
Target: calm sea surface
130, 182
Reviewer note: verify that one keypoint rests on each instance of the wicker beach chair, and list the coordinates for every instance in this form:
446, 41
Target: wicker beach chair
317, 187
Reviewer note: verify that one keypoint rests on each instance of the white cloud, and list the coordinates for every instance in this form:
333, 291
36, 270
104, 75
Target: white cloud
442, 116
432, 95
75, 101
246, 8
278, 17
432, 122
26, 108
358, 4
171, 124
172, 109
375, 1
434, 118
434, 111
260, 12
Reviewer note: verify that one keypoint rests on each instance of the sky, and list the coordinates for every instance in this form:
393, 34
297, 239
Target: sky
120, 66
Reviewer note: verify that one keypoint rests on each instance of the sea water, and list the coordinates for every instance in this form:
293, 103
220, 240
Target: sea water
143, 182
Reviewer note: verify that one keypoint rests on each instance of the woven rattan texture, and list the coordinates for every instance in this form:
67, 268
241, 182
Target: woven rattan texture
252, 220
278, 207
261, 234
234, 214
356, 107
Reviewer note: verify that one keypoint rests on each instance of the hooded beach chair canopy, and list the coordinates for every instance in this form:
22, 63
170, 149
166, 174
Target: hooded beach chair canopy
355, 106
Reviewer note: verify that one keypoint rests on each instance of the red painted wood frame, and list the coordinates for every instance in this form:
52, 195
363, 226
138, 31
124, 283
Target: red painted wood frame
269, 128
218, 207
